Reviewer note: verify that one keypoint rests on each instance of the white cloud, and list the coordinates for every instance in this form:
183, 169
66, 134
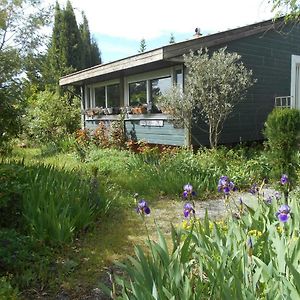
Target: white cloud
136, 19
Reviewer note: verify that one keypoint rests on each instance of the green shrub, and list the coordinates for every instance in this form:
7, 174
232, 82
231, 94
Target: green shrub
282, 132
50, 117
28, 261
7, 292
12, 186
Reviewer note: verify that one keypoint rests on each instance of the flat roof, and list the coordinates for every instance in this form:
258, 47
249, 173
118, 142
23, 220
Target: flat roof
168, 54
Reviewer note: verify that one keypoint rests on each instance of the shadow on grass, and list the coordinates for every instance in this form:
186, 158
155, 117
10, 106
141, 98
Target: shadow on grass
112, 239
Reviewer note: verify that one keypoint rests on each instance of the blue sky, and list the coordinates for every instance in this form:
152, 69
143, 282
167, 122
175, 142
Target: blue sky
119, 25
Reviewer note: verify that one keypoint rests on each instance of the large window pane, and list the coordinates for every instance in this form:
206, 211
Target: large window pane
159, 87
113, 95
137, 93
100, 96
88, 98
179, 78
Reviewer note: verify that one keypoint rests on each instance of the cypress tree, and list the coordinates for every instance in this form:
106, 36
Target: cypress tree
90, 50
72, 44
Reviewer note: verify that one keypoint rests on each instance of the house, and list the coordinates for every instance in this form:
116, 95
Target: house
270, 49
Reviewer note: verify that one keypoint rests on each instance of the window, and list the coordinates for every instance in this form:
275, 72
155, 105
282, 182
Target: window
88, 103
100, 96
179, 77
137, 93
113, 95
159, 87
103, 96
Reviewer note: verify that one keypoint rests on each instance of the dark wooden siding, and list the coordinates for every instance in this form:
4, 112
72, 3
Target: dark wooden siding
165, 134
269, 56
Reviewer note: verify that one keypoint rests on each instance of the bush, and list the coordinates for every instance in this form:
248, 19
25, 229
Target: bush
50, 117
27, 260
12, 185
282, 132
7, 292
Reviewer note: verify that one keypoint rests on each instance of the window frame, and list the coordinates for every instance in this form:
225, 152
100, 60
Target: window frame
91, 88
148, 76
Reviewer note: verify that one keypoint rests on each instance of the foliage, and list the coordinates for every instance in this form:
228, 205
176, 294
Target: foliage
72, 47
217, 83
6, 290
12, 185
250, 257
51, 117
288, 8
143, 46
282, 132
214, 85
25, 258
20, 37
57, 205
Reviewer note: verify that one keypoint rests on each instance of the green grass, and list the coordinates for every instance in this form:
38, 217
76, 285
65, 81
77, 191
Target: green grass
111, 237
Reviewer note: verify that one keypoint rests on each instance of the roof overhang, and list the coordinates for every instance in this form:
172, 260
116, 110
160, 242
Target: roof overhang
165, 56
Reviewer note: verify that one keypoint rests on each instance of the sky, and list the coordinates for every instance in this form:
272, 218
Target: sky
118, 26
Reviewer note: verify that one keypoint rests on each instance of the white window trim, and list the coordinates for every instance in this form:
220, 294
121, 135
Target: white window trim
147, 76
294, 62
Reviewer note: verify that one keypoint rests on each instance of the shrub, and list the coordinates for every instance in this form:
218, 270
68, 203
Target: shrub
12, 185
27, 260
282, 132
50, 117
7, 292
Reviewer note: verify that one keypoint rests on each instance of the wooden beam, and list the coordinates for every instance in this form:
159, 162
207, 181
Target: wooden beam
119, 65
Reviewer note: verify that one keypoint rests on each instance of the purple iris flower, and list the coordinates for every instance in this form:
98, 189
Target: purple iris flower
284, 179
188, 191
188, 209
143, 207
269, 200
277, 195
226, 185
283, 213
254, 189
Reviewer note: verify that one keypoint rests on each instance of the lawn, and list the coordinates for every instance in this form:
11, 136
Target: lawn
75, 219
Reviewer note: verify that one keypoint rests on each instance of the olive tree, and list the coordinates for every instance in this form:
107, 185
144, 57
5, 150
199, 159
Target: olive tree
214, 84
289, 8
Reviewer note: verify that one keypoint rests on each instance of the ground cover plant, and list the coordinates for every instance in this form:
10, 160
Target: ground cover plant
52, 200
253, 254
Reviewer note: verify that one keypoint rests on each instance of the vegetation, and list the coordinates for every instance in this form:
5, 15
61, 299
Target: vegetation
250, 256
209, 95
287, 8
282, 132
143, 46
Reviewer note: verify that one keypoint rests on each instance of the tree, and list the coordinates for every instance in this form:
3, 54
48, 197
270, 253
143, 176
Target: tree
213, 86
172, 39
20, 37
142, 46
91, 52
71, 48
288, 8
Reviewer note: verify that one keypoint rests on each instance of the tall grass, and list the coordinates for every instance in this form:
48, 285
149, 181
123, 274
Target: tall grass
57, 205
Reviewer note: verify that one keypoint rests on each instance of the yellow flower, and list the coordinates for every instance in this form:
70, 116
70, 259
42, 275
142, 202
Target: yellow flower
255, 232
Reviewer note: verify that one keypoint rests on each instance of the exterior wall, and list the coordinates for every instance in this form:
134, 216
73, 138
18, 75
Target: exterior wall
151, 128
269, 56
